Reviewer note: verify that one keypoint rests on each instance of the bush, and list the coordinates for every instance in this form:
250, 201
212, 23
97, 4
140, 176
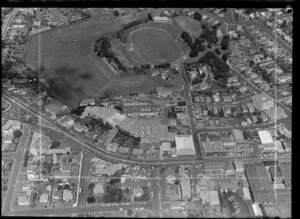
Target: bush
130, 212
217, 51
91, 199
197, 16
17, 133
55, 144
193, 54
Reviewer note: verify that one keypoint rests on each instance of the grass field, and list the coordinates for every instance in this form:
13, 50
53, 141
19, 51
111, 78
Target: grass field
188, 24
155, 45
63, 54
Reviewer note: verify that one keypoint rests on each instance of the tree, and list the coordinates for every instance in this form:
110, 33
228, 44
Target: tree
108, 198
129, 212
225, 43
17, 134
116, 13
55, 144
91, 186
209, 46
251, 63
217, 51
193, 54
91, 199
150, 18
197, 16
224, 57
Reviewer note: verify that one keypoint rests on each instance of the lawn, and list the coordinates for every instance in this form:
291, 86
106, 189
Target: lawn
63, 56
155, 45
188, 24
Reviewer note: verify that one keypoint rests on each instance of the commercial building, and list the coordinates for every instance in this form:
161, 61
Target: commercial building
173, 192
256, 209
260, 184
44, 198
247, 194
113, 147
214, 199
160, 19
164, 92
238, 135
136, 111
265, 137
239, 165
263, 101
217, 166
185, 145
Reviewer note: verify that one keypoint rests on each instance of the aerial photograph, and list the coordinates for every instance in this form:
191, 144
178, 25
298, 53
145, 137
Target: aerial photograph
146, 112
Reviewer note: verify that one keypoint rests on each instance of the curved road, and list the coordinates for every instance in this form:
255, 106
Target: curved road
8, 21
100, 152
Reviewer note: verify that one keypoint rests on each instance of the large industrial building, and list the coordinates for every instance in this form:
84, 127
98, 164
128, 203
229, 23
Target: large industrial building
185, 145
260, 184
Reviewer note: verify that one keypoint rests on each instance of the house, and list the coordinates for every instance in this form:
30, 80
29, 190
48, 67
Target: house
67, 195
44, 198
23, 200
98, 189
263, 101
227, 98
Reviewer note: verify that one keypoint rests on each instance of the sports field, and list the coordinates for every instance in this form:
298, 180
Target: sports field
155, 45
189, 24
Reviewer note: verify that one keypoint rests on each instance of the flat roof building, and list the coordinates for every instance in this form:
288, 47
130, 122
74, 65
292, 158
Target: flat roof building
265, 137
185, 145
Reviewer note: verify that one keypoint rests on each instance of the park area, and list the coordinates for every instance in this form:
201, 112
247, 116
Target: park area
155, 45
189, 25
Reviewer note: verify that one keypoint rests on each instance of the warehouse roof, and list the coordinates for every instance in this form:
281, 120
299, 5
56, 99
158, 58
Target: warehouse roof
265, 137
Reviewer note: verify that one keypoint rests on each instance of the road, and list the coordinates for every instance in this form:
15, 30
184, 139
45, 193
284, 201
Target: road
97, 151
77, 210
255, 88
15, 172
156, 191
7, 22
257, 24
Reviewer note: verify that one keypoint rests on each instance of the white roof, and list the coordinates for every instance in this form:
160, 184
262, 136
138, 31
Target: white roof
256, 209
185, 145
214, 198
265, 137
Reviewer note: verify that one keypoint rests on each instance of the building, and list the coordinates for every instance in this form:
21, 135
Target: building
214, 199
260, 183
166, 146
160, 19
23, 200
44, 198
217, 166
88, 101
247, 194
98, 189
185, 145
164, 92
123, 150
239, 165
173, 192
185, 188
67, 195
256, 209
137, 152
265, 137
263, 101
113, 147
238, 135
150, 110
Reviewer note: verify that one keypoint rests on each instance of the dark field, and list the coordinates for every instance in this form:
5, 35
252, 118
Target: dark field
155, 45
63, 56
